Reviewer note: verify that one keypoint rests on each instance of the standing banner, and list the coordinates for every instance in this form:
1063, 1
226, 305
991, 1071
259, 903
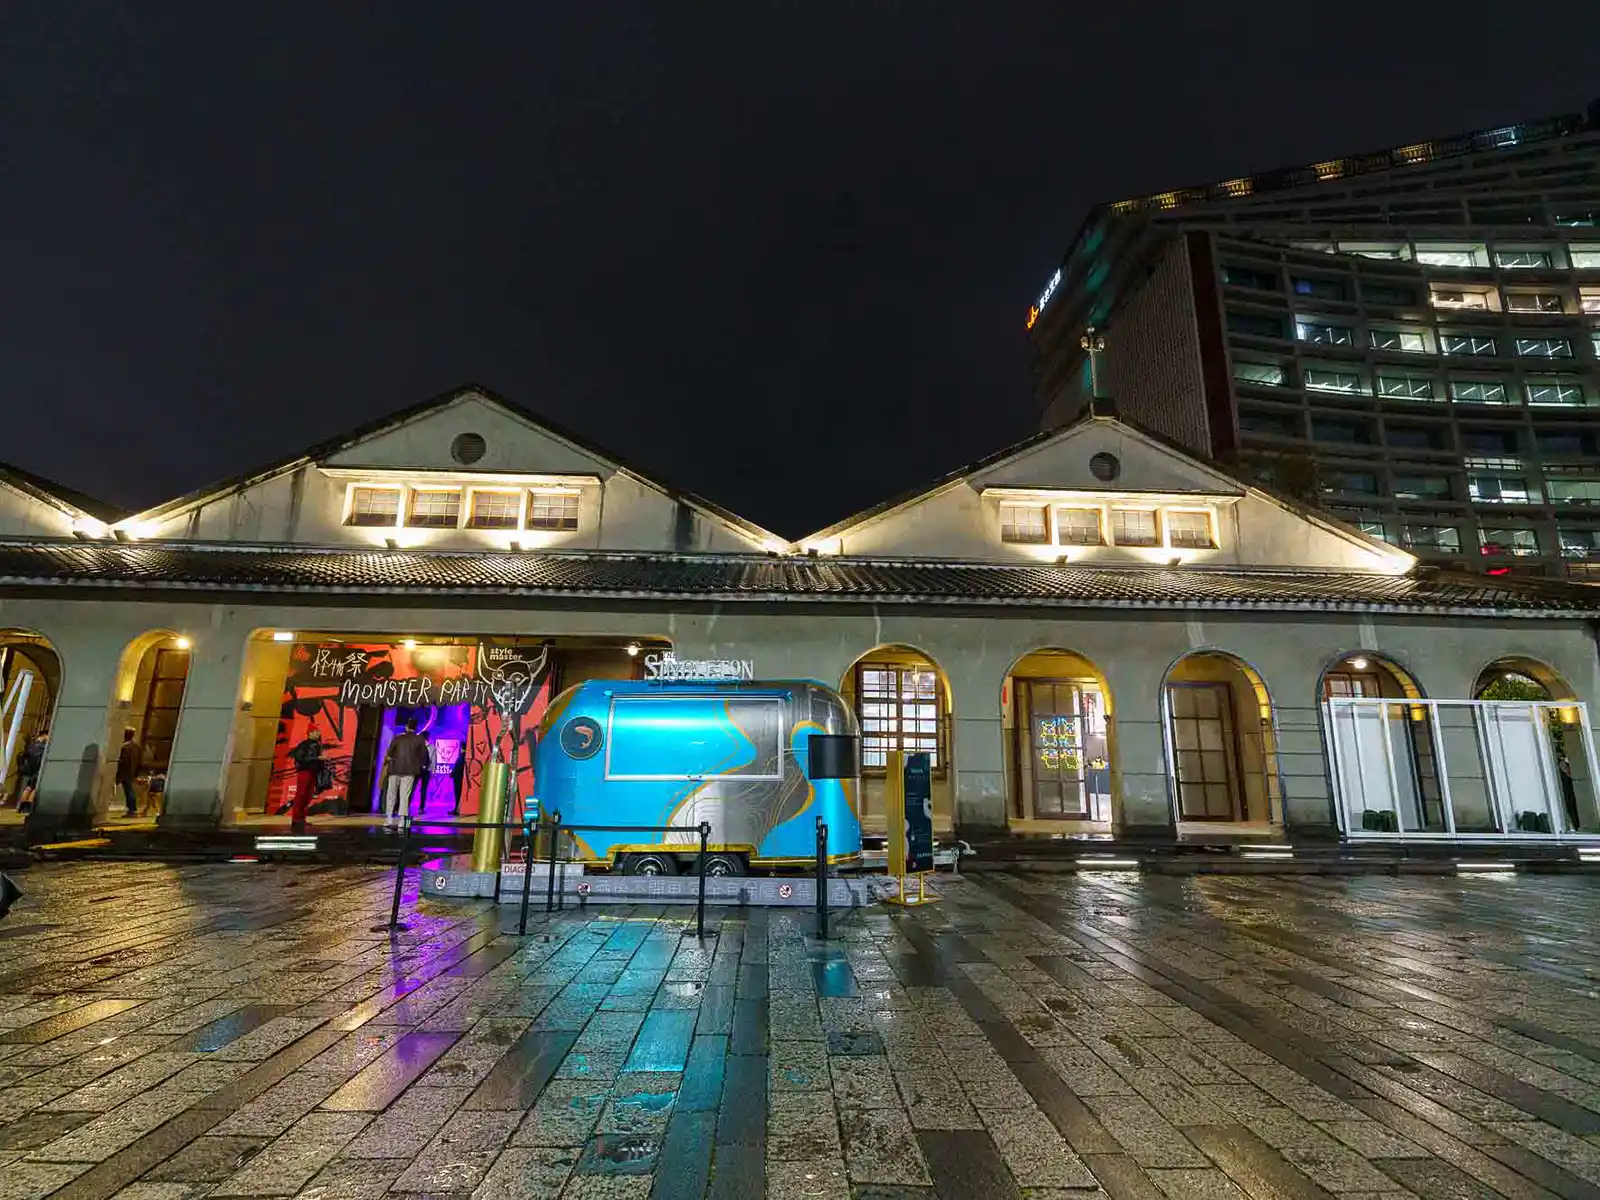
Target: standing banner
908, 812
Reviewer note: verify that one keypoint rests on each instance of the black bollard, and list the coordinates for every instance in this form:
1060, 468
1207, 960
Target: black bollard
822, 880
550, 883
700, 911
400, 872
527, 873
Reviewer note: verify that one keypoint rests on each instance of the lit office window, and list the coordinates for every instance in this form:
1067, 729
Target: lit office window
1477, 299
1589, 300
1324, 335
495, 510
1376, 529
1574, 491
1398, 339
1501, 489
1405, 387
1264, 374
1518, 542
1466, 343
1543, 348
1078, 526
1189, 530
1534, 302
1568, 395
434, 508
1579, 543
1422, 487
1520, 260
1446, 255
375, 506
1318, 380
1585, 257
1477, 391
1439, 538
1135, 527
553, 510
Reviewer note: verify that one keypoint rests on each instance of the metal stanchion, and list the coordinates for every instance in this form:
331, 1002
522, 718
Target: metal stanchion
822, 880
527, 873
700, 909
400, 872
550, 883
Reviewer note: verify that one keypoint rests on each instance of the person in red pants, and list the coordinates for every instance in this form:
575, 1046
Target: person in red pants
307, 759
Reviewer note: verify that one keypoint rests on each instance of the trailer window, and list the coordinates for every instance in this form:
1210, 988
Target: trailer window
695, 737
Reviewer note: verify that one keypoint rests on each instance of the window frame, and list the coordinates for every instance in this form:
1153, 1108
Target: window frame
1061, 527
351, 505
895, 739
1040, 509
530, 522
1208, 519
473, 493
1156, 541
413, 494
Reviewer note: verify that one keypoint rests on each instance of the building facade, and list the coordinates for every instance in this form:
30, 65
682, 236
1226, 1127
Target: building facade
1091, 633
1410, 339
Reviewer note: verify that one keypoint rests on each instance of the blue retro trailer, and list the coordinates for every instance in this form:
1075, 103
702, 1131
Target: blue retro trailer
759, 761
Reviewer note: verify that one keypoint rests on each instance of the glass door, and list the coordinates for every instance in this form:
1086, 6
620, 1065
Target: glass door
1053, 736
1205, 754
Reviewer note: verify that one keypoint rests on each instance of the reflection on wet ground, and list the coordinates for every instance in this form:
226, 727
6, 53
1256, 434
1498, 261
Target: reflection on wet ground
175, 1032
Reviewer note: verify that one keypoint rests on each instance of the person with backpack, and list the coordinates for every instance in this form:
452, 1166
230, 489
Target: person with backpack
310, 772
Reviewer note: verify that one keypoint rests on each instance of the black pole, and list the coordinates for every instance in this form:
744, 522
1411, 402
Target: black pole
400, 871
700, 909
822, 880
550, 882
561, 888
527, 873
497, 867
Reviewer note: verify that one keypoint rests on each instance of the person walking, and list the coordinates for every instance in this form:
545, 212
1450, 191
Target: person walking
29, 763
129, 759
308, 773
408, 759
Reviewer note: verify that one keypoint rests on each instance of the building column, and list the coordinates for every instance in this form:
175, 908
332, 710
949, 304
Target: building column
75, 791
196, 777
976, 748
1142, 793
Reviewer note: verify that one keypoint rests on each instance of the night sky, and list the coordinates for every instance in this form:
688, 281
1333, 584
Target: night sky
779, 254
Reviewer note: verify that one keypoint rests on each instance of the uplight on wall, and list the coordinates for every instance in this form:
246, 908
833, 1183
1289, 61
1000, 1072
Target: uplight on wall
89, 527
409, 643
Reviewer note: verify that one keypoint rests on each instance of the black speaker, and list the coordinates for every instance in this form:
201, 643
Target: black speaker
834, 756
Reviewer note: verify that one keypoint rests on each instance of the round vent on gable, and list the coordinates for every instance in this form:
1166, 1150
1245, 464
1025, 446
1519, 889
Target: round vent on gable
468, 448
1105, 467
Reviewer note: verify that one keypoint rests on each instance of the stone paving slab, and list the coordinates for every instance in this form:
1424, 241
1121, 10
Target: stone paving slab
177, 1032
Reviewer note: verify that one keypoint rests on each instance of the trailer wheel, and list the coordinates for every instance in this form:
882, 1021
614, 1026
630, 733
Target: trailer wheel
649, 864
721, 866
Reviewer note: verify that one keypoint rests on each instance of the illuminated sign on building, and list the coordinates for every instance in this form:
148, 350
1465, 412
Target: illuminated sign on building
668, 666
1044, 297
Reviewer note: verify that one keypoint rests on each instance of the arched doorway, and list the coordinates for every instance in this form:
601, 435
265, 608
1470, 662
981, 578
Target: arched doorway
902, 700
1222, 754
1532, 730
151, 677
1385, 756
1055, 715
30, 681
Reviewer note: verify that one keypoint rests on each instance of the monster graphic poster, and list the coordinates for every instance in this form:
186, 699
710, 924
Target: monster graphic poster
465, 699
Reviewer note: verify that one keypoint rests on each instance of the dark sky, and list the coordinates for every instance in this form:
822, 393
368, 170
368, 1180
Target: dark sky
777, 253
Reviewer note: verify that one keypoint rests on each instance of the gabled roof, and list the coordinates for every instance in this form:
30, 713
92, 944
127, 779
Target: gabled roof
1227, 481
58, 496
327, 449
204, 573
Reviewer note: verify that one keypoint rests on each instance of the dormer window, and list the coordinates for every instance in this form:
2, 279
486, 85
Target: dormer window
1135, 527
1190, 530
434, 508
1024, 523
553, 510
495, 510
375, 506
1078, 527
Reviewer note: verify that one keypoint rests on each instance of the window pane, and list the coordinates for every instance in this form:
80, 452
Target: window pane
1478, 392
434, 509
1078, 526
1569, 394
1466, 343
553, 510
1023, 523
1267, 374
1509, 541
1324, 335
1431, 537
1542, 302
1543, 348
1189, 530
1134, 527
1397, 339
1406, 387
1333, 381
374, 506
1419, 487
1521, 259
496, 510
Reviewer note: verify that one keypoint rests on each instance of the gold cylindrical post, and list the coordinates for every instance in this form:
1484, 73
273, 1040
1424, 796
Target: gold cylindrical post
487, 843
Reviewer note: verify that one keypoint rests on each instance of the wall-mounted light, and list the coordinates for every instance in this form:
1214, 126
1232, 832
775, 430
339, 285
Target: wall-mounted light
282, 635
410, 643
1359, 664
88, 528
633, 649
182, 643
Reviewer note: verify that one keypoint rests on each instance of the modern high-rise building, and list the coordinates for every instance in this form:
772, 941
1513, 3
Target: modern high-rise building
1409, 338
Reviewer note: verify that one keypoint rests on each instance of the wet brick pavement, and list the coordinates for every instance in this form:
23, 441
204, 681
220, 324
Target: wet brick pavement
174, 1032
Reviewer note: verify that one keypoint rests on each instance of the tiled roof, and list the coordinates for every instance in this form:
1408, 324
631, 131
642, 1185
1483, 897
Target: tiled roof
172, 566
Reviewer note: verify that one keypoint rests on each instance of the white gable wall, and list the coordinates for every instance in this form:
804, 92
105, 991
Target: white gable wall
22, 515
961, 521
307, 504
